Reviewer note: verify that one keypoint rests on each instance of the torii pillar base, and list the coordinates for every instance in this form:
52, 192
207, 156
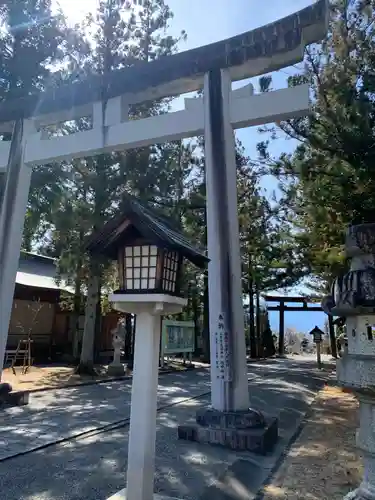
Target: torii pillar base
245, 430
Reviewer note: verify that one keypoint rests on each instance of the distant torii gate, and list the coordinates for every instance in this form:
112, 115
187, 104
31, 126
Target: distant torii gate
305, 306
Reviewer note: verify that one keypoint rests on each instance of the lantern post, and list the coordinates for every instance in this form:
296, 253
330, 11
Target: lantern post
150, 256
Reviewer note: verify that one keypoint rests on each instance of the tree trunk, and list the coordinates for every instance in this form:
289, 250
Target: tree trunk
332, 337
27, 242
77, 305
74, 320
98, 326
258, 324
253, 348
86, 364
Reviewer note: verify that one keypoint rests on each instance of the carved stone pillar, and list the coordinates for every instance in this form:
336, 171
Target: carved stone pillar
353, 297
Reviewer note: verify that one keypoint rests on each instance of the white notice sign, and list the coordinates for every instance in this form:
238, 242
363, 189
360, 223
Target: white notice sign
223, 354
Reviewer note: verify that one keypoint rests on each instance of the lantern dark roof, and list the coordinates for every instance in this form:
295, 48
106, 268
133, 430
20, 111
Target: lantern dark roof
136, 220
316, 330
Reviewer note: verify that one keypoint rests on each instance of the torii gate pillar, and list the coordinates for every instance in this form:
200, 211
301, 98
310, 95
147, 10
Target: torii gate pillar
229, 389
230, 421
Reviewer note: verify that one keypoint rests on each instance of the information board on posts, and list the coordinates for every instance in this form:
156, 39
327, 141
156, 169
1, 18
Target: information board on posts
178, 336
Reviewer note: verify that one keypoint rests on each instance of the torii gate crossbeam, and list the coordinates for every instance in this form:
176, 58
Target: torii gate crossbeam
246, 110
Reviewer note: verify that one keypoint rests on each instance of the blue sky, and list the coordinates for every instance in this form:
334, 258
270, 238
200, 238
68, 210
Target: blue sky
207, 21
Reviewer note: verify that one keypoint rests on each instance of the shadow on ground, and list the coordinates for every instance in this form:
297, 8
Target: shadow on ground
60, 413
95, 467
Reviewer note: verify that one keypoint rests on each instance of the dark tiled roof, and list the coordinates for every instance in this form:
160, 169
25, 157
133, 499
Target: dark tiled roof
151, 226
35, 257
39, 271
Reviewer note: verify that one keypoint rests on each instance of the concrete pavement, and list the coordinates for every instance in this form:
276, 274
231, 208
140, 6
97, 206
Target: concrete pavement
62, 413
94, 467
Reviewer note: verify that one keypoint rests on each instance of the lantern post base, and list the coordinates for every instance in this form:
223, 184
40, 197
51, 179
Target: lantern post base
353, 298
365, 438
121, 495
142, 434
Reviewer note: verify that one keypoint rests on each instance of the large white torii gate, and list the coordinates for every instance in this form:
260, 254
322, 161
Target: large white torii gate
246, 110
240, 109
216, 116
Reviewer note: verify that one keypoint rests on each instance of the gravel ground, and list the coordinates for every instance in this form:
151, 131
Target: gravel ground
60, 413
323, 463
93, 468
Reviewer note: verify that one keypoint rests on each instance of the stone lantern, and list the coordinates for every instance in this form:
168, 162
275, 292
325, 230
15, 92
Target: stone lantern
353, 297
116, 368
150, 254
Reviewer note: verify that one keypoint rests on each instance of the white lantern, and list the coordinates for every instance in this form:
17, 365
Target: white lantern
145, 268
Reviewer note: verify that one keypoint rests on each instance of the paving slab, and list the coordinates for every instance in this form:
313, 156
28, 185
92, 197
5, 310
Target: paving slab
94, 467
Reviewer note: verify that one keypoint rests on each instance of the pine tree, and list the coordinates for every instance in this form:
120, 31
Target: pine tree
92, 188
328, 182
31, 39
32, 42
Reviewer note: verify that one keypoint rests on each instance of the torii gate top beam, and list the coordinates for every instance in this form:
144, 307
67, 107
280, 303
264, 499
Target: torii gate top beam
255, 52
311, 299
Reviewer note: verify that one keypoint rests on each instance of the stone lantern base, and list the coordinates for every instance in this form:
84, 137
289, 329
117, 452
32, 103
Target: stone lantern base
353, 298
121, 495
360, 495
116, 370
8, 397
